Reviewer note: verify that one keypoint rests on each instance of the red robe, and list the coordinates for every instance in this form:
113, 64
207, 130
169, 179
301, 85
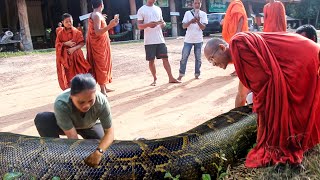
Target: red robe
285, 82
274, 17
99, 54
69, 65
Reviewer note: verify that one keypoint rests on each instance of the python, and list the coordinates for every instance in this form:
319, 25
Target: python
189, 154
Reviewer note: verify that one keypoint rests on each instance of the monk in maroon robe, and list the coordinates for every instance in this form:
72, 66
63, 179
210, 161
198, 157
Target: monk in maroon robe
282, 71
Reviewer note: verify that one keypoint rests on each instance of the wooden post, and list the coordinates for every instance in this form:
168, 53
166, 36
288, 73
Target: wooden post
204, 6
173, 19
24, 25
84, 10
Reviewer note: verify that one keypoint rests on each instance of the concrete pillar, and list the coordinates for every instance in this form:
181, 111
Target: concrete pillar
24, 25
84, 10
173, 19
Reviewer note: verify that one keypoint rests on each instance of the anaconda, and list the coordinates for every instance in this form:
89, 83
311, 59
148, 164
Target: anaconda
189, 154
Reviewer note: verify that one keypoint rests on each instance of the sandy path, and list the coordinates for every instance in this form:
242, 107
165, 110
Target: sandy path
29, 85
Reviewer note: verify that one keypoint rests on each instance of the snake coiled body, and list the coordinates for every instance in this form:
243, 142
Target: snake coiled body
189, 154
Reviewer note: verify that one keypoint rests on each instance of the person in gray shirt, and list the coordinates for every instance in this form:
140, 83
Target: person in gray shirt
80, 110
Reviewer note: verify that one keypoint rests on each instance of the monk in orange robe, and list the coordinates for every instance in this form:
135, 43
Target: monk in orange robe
98, 46
274, 17
285, 81
69, 56
235, 21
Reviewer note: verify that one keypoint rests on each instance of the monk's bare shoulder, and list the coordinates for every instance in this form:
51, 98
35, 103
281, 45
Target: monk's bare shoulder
96, 15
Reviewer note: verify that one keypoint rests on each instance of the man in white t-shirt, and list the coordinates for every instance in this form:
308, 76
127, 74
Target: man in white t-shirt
194, 21
151, 21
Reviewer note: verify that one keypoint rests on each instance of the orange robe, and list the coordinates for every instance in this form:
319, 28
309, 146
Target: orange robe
58, 29
285, 82
274, 17
234, 12
69, 65
99, 54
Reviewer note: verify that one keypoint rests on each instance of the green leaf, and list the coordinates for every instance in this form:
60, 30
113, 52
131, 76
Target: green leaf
12, 176
206, 177
55, 178
222, 175
168, 175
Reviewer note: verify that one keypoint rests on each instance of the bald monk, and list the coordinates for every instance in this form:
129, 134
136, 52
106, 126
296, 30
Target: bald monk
235, 21
274, 17
69, 56
98, 46
285, 81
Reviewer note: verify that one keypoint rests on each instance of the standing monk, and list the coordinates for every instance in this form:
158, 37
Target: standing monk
285, 81
235, 21
69, 56
98, 46
274, 17
151, 21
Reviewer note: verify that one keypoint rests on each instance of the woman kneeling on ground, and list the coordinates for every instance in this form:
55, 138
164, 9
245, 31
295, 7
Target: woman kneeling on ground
80, 110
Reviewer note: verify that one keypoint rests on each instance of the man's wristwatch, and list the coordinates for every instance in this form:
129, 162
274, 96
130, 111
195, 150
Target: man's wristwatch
99, 150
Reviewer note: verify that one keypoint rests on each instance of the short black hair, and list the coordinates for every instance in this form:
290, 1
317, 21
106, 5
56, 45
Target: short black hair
82, 82
65, 16
310, 31
96, 3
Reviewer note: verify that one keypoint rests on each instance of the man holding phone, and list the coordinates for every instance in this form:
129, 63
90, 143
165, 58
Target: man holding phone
151, 21
98, 46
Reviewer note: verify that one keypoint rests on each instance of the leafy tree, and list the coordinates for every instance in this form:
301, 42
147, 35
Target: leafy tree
306, 9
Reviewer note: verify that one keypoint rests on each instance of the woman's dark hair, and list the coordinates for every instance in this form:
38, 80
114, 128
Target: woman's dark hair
96, 3
82, 82
310, 31
65, 16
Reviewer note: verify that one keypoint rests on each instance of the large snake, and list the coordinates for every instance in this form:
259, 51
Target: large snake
189, 154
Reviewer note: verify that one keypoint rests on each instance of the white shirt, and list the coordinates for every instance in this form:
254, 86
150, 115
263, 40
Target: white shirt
194, 33
149, 14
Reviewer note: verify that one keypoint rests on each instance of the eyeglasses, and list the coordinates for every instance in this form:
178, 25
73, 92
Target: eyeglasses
211, 58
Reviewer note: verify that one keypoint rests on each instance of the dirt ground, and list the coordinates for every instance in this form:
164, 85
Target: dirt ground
29, 85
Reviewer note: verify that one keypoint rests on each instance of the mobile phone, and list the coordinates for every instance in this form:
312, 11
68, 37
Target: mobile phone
116, 16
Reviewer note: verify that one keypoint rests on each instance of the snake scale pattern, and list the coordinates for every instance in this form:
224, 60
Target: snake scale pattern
189, 154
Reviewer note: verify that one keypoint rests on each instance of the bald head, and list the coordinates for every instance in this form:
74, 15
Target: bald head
212, 45
217, 52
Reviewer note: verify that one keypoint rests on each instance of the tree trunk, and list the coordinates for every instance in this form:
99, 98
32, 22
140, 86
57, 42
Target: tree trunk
84, 10
133, 11
173, 19
204, 6
24, 25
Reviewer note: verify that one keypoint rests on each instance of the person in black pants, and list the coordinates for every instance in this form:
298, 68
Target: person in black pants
80, 110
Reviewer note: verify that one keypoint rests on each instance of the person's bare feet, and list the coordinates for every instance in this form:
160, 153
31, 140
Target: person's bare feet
179, 78
109, 90
234, 74
154, 83
173, 80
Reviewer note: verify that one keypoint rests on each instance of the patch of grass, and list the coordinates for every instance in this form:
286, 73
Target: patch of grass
311, 162
23, 53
